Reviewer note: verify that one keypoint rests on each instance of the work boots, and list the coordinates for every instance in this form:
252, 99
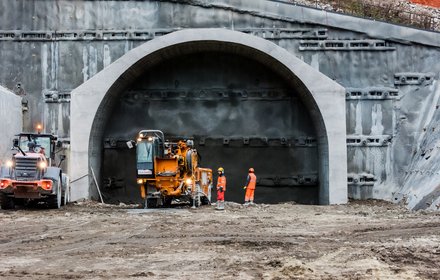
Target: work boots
250, 202
220, 205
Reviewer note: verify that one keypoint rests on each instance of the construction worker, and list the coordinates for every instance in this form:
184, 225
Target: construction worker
221, 188
250, 187
42, 150
31, 147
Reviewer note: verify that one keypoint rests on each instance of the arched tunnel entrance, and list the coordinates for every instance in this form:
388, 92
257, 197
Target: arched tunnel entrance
244, 100
238, 111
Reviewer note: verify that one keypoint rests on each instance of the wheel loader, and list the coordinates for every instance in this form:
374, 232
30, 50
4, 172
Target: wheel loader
169, 169
32, 174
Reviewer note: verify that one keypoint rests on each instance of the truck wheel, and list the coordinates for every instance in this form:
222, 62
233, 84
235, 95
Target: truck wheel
65, 199
6, 202
66, 196
55, 200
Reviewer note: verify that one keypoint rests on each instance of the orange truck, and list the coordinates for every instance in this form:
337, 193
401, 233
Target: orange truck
32, 174
168, 170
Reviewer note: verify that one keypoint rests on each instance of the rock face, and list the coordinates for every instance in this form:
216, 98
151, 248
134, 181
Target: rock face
432, 3
419, 13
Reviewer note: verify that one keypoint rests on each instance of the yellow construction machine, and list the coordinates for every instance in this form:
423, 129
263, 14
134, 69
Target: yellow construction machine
168, 170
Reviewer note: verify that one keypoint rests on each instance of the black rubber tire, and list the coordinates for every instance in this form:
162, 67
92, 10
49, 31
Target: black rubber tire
65, 198
19, 201
191, 202
205, 200
166, 201
6, 202
54, 201
151, 203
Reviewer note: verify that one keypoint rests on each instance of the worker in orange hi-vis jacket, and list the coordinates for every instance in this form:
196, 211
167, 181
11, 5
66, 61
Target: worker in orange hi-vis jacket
250, 187
221, 188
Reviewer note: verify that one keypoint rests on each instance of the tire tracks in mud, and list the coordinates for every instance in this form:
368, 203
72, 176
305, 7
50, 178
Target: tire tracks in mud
380, 232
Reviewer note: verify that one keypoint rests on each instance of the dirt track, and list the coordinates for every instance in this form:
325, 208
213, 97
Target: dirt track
362, 240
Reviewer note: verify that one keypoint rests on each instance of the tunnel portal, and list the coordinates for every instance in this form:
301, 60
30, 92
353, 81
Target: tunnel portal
239, 113
245, 101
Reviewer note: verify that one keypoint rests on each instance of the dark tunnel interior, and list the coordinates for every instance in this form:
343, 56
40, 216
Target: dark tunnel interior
240, 115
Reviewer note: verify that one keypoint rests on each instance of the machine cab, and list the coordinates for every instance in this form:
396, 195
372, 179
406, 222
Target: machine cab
150, 144
37, 143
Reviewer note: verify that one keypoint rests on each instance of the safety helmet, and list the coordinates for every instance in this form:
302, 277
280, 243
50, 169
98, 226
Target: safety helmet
251, 170
220, 169
31, 146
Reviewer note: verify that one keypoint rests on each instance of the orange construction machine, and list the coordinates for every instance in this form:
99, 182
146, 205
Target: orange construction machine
168, 170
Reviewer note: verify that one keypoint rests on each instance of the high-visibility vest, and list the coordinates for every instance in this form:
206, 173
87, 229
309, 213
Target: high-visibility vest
221, 182
252, 181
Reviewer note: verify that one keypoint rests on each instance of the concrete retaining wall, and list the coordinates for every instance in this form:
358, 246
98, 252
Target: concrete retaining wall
11, 121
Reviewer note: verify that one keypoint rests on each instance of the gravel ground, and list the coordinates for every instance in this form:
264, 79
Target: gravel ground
361, 240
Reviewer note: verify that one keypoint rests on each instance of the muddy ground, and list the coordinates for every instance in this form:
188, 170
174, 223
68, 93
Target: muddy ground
361, 240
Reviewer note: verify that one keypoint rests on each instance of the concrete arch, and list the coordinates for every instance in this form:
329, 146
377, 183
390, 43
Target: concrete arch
324, 99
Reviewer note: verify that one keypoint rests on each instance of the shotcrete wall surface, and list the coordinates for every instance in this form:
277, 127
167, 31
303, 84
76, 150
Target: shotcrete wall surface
390, 73
11, 121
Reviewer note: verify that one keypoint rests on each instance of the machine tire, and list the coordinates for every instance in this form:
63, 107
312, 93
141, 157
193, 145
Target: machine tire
151, 203
19, 201
66, 196
6, 202
166, 201
204, 200
191, 202
55, 200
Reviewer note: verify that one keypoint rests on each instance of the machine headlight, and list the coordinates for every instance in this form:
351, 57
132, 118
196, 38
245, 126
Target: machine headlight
5, 183
150, 139
139, 139
189, 181
140, 181
42, 165
9, 163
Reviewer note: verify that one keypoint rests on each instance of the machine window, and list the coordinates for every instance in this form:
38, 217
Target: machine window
144, 152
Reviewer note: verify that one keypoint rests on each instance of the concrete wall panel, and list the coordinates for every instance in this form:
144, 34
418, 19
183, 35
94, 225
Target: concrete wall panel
11, 121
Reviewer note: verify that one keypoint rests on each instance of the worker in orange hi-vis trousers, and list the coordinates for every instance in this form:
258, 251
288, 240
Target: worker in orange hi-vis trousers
221, 188
250, 187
